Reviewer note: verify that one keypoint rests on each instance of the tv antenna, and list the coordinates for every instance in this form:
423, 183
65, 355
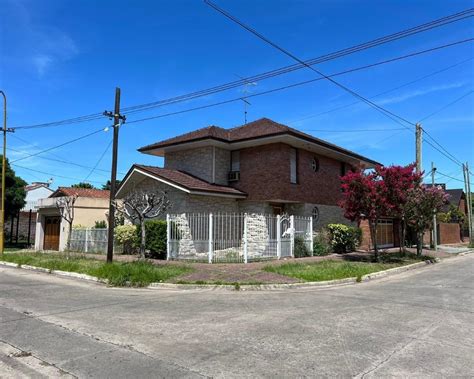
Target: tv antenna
245, 91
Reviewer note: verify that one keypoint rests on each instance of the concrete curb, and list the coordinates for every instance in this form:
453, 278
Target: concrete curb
68, 274
238, 287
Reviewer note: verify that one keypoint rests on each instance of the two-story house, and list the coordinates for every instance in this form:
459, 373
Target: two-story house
260, 167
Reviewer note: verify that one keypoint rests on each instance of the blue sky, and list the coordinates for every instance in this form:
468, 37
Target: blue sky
61, 59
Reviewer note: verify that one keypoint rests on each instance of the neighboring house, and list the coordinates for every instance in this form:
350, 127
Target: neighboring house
23, 225
260, 167
52, 230
452, 232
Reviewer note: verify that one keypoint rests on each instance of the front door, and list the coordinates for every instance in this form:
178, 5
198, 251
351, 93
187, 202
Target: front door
51, 233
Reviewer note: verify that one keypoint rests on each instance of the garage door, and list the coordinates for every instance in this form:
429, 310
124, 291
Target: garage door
385, 233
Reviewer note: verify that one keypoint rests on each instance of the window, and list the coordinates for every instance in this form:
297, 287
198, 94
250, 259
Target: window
235, 160
293, 166
315, 164
343, 169
315, 216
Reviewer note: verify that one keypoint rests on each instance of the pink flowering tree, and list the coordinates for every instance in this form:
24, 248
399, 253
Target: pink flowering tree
422, 204
399, 181
364, 198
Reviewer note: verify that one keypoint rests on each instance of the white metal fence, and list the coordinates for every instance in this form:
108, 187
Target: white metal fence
90, 240
222, 238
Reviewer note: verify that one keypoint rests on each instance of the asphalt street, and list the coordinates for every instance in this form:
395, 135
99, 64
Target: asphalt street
416, 324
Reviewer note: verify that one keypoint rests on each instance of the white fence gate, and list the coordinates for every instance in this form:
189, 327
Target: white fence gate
222, 238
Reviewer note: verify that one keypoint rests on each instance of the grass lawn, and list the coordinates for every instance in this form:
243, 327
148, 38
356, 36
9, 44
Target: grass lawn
334, 269
132, 274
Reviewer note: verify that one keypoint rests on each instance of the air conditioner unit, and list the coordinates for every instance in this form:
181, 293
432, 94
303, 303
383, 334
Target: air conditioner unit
233, 176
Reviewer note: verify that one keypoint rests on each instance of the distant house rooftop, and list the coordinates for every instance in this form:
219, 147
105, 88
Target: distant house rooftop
261, 130
81, 192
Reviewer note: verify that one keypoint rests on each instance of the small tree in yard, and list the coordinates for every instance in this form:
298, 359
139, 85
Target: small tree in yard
66, 208
364, 197
139, 206
422, 203
399, 181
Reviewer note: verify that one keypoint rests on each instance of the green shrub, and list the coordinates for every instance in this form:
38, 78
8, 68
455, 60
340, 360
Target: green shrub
301, 250
343, 238
100, 225
126, 235
155, 238
321, 244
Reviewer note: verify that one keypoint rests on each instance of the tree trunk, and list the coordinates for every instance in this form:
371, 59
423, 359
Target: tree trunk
373, 236
143, 239
68, 243
404, 235
419, 244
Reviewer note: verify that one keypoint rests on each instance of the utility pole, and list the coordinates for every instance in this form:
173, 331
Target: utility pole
118, 119
467, 185
419, 138
4, 129
435, 223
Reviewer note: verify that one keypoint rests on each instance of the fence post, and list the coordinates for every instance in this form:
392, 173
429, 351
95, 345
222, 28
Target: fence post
86, 242
245, 239
292, 235
211, 242
168, 236
278, 236
311, 246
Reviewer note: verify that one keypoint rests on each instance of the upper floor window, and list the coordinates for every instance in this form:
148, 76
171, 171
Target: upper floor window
235, 160
315, 164
293, 166
343, 169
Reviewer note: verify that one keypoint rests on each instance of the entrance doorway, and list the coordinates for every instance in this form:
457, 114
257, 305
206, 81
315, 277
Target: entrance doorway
52, 226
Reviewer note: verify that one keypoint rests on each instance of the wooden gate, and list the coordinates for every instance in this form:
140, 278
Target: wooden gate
51, 233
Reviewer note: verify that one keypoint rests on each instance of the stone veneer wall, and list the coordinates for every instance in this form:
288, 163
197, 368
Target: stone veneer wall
182, 202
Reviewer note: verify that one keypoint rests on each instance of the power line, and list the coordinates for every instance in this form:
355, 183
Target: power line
448, 105
450, 177
50, 174
350, 130
389, 90
269, 74
62, 144
380, 109
389, 38
301, 83
55, 160
443, 150
98, 161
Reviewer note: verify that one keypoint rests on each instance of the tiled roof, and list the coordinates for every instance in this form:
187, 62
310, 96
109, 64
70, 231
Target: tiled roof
188, 181
260, 128
81, 192
33, 186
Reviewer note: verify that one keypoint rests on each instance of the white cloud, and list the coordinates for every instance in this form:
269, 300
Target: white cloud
40, 45
419, 92
42, 63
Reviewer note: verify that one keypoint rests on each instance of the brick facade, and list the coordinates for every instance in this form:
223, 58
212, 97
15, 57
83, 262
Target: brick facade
448, 233
197, 162
209, 163
265, 175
